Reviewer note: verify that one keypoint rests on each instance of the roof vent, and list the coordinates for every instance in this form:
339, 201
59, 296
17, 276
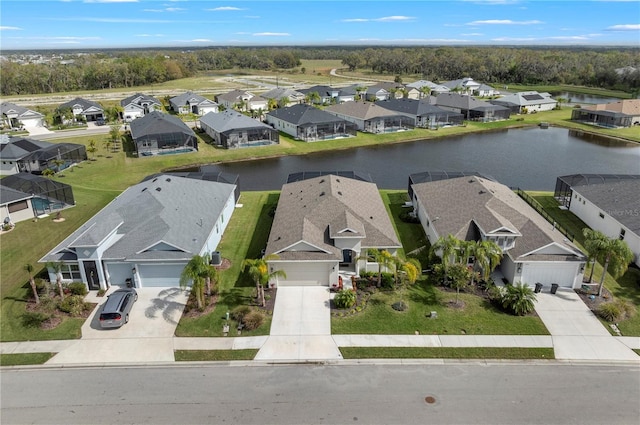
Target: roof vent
322, 181
482, 192
322, 193
339, 193
154, 180
143, 189
158, 189
168, 179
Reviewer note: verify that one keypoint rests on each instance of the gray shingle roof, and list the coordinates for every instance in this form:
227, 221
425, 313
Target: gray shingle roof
230, 120
280, 92
189, 98
167, 210
314, 210
156, 122
84, 103
9, 195
525, 99
138, 99
304, 114
621, 200
17, 148
12, 108
466, 202
418, 108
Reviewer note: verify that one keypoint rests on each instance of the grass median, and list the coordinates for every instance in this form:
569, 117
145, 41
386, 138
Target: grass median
22, 359
488, 353
214, 355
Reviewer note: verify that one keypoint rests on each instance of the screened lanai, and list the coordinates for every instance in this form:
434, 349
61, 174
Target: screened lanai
49, 195
564, 184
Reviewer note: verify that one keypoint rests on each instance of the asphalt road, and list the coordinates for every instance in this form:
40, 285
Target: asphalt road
463, 393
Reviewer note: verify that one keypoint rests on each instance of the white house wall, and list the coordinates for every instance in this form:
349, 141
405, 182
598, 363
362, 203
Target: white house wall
8, 167
607, 224
17, 216
221, 224
281, 125
306, 273
565, 274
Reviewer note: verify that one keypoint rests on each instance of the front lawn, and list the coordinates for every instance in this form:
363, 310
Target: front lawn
214, 355
477, 317
446, 353
21, 359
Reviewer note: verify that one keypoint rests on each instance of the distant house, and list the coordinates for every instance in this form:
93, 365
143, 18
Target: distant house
475, 208
526, 102
472, 108
86, 110
349, 94
16, 116
370, 117
423, 113
624, 113
192, 103
242, 100
231, 129
304, 122
326, 94
384, 91
607, 203
158, 134
22, 154
324, 226
15, 206
427, 88
147, 234
284, 96
139, 105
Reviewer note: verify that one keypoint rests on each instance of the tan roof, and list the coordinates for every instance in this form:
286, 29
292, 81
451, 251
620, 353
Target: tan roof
627, 107
312, 212
361, 110
457, 205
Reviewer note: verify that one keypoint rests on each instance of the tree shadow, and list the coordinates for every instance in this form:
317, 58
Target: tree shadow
261, 232
235, 296
426, 294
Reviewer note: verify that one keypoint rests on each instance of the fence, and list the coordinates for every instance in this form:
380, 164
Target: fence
536, 206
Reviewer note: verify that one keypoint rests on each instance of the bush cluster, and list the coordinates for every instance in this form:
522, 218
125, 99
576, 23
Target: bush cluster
345, 298
240, 312
616, 311
78, 288
34, 319
73, 304
253, 320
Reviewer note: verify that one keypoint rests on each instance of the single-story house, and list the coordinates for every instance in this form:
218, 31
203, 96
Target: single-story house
87, 110
242, 100
624, 113
310, 124
23, 154
326, 94
475, 208
526, 102
138, 105
423, 113
192, 103
370, 117
16, 116
284, 96
324, 226
349, 93
607, 203
147, 234
158, 134
384, 91
15, 206
427, 88
47, 195
468, 86
231, 129
472, 108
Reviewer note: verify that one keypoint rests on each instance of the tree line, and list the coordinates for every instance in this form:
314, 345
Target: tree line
609, 68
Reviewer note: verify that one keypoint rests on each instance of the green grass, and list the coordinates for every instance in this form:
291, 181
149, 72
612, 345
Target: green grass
214, 355
24, 359
446, 353
411, 234
573, 89
478, 317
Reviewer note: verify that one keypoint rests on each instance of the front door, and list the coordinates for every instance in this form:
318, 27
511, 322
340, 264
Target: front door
91, 271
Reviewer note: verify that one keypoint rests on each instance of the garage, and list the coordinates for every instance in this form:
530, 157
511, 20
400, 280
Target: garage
305, 274
119, 273
564, 274
159, 275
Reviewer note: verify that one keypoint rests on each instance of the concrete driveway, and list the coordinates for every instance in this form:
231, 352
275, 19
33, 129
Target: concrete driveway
148, 337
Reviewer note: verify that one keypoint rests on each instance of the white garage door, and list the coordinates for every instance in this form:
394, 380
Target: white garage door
305, 274
119, 273
547, 273
160, 275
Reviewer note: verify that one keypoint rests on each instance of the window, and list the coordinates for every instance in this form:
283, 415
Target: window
18, 206
622, 233
71, 272
601, 215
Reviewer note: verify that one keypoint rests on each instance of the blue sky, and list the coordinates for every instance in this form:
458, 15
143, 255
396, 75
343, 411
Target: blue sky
79, 24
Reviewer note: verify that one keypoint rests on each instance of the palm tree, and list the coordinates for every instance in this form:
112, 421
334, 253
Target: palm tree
48, 173
258, 269
194, 273
57, 269
519, 298
210, 274
29, 269
272, 104
448, 247
411, 269
617, 256
92, 148
594, 242
488, 256
383, 258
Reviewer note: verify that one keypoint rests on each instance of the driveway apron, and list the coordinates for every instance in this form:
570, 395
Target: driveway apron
301, 326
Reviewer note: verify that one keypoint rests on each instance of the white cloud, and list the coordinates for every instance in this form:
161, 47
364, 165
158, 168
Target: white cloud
395, 18
111, 1
202, 40
4, 28
504, 22
271, 34
626, 27
166, 9
149, 35
224, 9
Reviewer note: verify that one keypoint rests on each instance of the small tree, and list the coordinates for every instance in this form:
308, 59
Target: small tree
459, 277
594, 242
258, 269
56, 266
29, 269
194, 273
92, 148
617, 256
519, 299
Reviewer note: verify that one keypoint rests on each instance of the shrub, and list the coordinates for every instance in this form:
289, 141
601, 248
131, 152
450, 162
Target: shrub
34, 319
399, 306
387, 280
345, 298
409, 217
78, 288
47, 304
616, 311
41, 285
366, 275
240, 312
74, 305
253, 320
519, 299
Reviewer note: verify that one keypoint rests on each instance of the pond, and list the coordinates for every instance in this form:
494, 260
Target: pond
580, 98
529, 158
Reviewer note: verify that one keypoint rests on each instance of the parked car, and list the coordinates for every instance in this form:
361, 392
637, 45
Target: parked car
115, 312
100, 121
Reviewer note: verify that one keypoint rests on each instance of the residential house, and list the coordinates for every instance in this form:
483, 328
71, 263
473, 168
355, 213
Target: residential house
242, 100
475, 208
526, 102
138, 105
371, 118
16, 116
349, 93
46, 195
423, 113
384, 91
607, 203
158, 134
426, 88
192, 103
22, 154
15, 206
84, 109
310, 124
624, 113
472, 108
284, 96
326, 94
324, 227
470, 87
147, 234
231, 129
